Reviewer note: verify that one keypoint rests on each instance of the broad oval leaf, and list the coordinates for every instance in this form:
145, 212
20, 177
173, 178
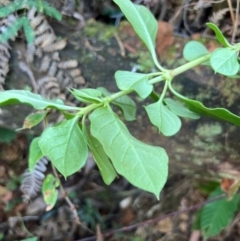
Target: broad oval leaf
105, 166
142, 165
87, 95
134, 81
217, 215
194, 50
180, 110
65, 145
124, 103
35, 154
11, 97
221, 39
164, 119
224, 61
49, 191
143, 22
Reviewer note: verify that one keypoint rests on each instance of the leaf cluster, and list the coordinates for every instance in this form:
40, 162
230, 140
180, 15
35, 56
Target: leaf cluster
21, 6
98, 129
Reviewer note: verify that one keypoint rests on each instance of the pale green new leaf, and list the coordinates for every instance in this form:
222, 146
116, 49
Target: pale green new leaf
142, 165
11, 97
194, 50
217, 215
224, 61
143, 22
65, 145
124, 103
105, 166
180, 110
134, 81
87, 95
164, 119
35, 154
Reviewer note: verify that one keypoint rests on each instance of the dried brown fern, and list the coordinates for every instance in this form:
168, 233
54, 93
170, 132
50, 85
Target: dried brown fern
217, 16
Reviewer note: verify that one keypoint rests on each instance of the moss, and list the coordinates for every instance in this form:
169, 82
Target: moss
99, 30
209, 130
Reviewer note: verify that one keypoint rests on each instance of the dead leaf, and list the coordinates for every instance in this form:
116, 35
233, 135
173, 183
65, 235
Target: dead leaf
165, 37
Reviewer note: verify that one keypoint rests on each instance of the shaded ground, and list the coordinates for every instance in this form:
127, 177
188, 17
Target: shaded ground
199, 148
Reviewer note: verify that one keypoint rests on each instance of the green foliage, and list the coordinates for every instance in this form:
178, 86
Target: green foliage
221, 39
134, 81
163, 118
35, 154
224, 61
49, 191
142, 165
216, 215
34, 119
11, 97
194, 50
114, 149
23, 22
104, 164
65, 145
143, 23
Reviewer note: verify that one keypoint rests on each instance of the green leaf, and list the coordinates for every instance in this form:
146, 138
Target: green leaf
46, 8
194, 50
35, 154
11, 31
143, 22
124, 103
65, 145
164, 119
28, 30
221, 39
217, 113
142, 165
180, 110
49, 191
7, 135
196, 225
87, 95
134, 81
105, 166
11, 97
34, 119
217, 215
224, 61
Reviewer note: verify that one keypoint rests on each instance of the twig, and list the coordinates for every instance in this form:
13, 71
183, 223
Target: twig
69, 202
231, 11
235, 24
155, 220
120, 44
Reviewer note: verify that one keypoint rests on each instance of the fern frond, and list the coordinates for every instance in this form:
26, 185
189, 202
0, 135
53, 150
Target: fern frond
28, 30
32, 181
217, 16
11, 8
45, 8
11, 31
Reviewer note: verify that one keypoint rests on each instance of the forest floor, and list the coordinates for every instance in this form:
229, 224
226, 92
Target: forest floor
102, 45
